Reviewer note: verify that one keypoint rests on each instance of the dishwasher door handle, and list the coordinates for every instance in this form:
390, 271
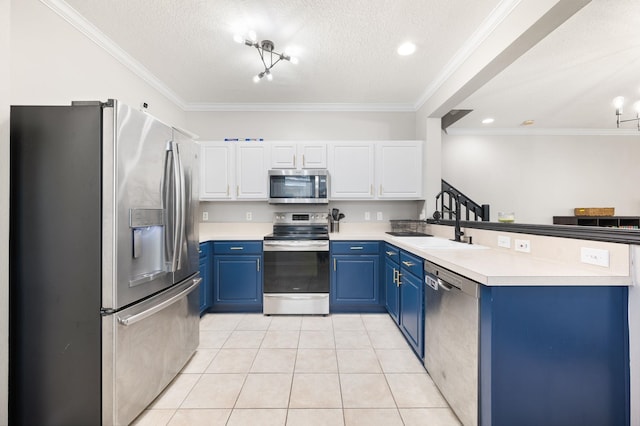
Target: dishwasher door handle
445, 286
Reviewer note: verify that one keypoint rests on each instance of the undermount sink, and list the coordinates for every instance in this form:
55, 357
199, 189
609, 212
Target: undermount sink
437, 243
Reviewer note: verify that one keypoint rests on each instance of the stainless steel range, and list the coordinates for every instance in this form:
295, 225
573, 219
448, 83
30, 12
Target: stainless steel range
296, 265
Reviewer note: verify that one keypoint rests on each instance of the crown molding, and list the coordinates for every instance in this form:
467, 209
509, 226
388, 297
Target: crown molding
79, 22
541, 132
497, 15
300, 107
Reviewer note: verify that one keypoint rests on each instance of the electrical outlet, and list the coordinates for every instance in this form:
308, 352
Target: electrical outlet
379, 215
367, 215
523, 246
249, 216
504, 241
594, 256
205, 215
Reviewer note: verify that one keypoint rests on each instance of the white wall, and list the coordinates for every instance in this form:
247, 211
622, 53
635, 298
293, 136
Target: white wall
538, 177
4, 206
303, 125
53, 63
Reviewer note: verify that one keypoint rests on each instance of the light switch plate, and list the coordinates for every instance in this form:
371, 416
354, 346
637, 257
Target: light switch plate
367, 215
592, 256
205, 215
249, 216
379, 215
504, 241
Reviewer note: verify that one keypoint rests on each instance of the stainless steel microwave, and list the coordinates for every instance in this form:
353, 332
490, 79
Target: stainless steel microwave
310, 186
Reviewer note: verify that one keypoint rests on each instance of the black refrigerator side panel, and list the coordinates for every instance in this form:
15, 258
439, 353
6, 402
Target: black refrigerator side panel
55, 266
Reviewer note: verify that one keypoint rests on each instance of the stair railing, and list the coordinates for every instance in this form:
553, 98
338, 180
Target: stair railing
480, 212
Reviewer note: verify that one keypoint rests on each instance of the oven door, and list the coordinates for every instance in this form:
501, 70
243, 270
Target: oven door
296, 266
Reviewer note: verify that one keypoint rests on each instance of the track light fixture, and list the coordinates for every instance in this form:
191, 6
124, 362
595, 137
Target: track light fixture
268, 55
618, 103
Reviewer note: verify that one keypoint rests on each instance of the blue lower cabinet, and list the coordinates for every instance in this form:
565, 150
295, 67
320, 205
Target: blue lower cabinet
391, 276
237, 276
355, 277
554, 356
206, 286
411, 301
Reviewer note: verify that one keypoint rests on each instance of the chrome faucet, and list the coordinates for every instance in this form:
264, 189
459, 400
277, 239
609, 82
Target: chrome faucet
458, 232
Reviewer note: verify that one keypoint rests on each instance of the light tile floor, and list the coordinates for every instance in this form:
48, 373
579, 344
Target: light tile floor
343, 370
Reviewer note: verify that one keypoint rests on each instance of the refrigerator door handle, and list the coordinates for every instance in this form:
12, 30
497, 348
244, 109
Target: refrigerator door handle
173, 205
181, 201
132, 319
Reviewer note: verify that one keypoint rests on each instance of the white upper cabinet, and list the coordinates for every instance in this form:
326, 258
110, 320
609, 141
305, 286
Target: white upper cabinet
216, 170
351, 170
233, 171
399, 170
298, 155
252, 163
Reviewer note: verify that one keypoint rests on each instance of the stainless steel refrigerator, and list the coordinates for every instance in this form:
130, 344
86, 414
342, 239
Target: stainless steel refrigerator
103, 262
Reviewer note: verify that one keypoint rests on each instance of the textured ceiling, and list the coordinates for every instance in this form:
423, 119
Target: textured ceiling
570, 78
346, 48
347, 55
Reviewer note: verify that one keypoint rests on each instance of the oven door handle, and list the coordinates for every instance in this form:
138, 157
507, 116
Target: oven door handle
295, 246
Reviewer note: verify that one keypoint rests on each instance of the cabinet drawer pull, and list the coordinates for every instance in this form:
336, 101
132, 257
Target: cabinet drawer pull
395, 275
357, 248
409, 264
237, 248
390, 253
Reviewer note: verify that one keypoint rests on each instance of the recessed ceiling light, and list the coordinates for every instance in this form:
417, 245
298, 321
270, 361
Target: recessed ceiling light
488, 121
406, 49
528, 122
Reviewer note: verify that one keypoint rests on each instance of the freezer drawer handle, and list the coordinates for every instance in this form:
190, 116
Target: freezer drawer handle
132, 319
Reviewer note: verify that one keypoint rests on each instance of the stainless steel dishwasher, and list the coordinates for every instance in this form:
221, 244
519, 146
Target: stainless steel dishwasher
451, 338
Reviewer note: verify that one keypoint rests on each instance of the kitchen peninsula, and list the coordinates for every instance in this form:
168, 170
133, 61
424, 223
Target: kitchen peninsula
553, 331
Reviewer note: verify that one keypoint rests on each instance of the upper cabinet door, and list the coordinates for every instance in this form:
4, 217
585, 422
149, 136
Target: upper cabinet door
312, 155
351, 166
252, 160
283, 155
216, 170
298, 155
399, 170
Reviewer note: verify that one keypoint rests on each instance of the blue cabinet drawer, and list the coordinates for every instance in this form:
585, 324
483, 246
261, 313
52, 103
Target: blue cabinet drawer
204, 250
237, 247
392, 253
355, 247
411, 263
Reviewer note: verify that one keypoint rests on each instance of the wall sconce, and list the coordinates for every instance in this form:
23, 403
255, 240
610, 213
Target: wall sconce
268, 56
618, 103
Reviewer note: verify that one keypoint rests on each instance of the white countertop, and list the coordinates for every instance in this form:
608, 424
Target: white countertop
490, 266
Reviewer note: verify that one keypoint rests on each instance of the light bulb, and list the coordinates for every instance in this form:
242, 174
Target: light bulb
252, 36
256, 78
406, 49
293, 60
618, 102
269, 76
238, 38
488, 121
636, 107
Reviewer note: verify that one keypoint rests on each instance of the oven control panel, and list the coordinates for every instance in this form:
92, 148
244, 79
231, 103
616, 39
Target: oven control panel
300, 218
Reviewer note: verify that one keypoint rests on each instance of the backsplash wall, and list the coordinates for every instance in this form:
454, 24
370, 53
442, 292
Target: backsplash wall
354, 211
